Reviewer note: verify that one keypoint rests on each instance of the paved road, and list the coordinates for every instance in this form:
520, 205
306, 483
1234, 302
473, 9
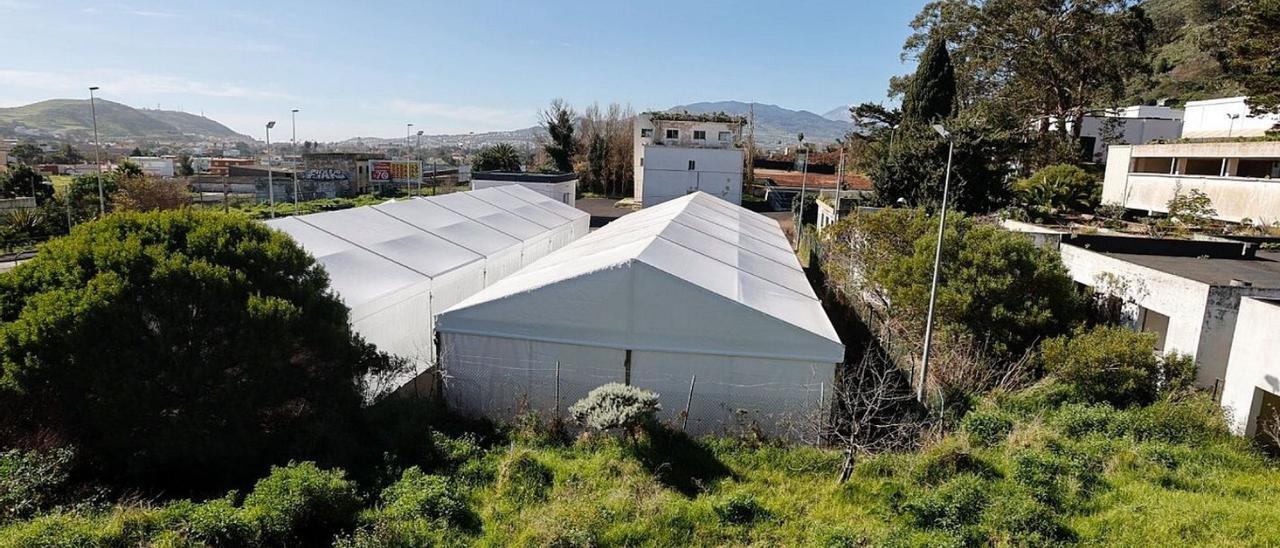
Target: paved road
601, 210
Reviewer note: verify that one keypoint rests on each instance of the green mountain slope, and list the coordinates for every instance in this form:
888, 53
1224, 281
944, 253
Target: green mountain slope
72, 118
1184, 66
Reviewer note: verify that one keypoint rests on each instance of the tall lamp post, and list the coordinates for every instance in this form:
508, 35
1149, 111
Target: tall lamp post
293, 126
97, 153
937, 262
417, 146
1231, 126
271, 189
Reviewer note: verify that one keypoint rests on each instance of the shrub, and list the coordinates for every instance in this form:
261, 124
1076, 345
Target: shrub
1191, 420
1106, 364
1055, 190
616, 406
1017, 519
419, 495
219, 522
1041, 473
32, 481
303, 503
953, 506
522, 478
740, 509
234, 351
949, 459
986, 426
1080, 419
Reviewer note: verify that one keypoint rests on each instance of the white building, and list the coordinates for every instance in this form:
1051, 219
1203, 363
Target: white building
692, 296
1239, 177
1251, 392
154, 166
396, 265
1187, 293
561, 187
1226, 117
678, 154
1136, 125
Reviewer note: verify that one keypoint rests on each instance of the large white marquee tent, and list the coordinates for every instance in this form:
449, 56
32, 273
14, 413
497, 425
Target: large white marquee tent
695, 287
398, 264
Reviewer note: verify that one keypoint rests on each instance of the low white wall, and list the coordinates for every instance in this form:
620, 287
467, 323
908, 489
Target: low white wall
563, 192
1234, 198
1253, 363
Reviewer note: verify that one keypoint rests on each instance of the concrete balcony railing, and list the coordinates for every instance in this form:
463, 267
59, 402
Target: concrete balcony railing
1234, 198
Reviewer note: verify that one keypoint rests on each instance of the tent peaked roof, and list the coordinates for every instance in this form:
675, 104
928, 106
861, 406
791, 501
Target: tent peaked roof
714, 259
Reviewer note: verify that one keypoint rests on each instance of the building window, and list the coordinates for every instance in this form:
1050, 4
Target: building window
673, 134
699, 135
646, 132
1259, 169
1153, 165
1204, 166
725, 135
692, 165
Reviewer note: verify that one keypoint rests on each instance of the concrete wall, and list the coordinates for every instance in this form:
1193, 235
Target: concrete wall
1253, 362
154, 166
564, 192
657, 135
667, 176
1115, 181
1235, 198
1131, 131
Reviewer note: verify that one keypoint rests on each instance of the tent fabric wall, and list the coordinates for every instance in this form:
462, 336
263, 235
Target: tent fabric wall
397, 265
694, 284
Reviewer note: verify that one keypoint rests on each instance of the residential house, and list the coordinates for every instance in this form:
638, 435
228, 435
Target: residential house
677, 154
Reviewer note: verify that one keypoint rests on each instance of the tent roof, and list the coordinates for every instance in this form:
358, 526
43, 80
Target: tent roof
711, 246
375, 253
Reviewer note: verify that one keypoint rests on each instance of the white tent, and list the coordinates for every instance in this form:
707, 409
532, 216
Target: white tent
694, 286
398, 264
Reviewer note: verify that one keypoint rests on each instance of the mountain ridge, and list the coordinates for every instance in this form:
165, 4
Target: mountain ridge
73, 119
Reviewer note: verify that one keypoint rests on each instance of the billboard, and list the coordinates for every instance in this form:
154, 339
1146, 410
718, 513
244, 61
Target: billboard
395, 172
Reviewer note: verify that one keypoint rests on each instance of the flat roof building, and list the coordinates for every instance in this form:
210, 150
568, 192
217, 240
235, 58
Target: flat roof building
677, 154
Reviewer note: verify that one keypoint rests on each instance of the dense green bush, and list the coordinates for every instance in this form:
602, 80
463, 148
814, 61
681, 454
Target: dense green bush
1115, 365
302, 503
986, 426
32, 481
955, 506
522, 478
1055, 190
219, 522
419, 495
160, 343
740, 509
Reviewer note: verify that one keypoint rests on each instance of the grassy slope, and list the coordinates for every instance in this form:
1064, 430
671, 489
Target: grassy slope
114, 120
1184, 67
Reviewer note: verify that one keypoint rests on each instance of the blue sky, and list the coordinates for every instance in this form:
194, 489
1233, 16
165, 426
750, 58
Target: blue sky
367, 68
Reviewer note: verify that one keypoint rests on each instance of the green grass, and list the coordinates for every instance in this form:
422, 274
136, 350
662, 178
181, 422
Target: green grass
1168, 474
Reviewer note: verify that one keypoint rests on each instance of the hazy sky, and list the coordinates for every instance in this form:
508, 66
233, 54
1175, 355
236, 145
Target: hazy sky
367, 68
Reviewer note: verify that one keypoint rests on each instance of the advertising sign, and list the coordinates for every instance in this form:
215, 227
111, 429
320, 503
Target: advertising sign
395, 172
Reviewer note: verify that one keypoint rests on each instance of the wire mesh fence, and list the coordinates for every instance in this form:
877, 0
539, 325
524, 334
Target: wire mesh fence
728, 396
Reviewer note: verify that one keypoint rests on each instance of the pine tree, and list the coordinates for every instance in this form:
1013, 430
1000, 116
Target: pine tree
931, 95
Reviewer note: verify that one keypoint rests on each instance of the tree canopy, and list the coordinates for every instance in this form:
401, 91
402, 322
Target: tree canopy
177, 349
1252, 51
499, 157
561, 146
932, 92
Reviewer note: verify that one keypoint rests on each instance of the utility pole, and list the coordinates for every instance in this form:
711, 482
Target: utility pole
839, 182
294, 141
271, 189
937, 261
97, 153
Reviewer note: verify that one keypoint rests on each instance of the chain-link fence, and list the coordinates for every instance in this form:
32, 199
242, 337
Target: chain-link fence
704, 395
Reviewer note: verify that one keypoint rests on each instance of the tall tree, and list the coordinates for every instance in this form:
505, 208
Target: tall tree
1252, 36
560, 144
932, 92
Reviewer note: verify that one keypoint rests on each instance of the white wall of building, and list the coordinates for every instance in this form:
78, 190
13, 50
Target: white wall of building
649, 132
1235, 197
154, 166
1254, 365
1214, 118
564, 192
674, 172
1131, 130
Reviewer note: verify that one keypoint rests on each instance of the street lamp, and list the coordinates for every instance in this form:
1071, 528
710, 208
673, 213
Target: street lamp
416, 147
97, 153
937, 261
1231, 126
271, 189
293, 115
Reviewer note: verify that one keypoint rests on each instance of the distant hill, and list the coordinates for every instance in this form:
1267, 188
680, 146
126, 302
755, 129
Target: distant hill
776, 125
520, 137
839, 114
72, 119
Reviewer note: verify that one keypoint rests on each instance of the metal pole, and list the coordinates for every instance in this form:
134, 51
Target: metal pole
684, 421
839, 180
804, 173
271, 189
293, 123
557, 389
933, 287
97, 153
